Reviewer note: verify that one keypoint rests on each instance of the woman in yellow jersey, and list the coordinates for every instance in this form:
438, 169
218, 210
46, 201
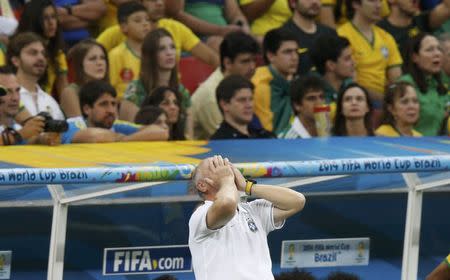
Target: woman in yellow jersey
158, 68
40, 16
353, 112
400, 111
89, 62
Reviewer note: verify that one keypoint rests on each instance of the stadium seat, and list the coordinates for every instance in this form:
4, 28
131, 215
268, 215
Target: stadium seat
193, 72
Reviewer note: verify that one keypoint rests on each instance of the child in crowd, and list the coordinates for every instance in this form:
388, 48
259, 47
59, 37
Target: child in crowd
125, 59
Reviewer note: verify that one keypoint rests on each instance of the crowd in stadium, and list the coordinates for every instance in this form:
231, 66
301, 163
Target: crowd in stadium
75, 71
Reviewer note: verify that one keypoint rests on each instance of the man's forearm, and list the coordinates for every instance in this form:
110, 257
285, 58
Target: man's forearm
282, 198
148, 133
89, 10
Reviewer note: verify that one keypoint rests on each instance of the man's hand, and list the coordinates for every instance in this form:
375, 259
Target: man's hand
50, 138
220, 172
32, 128
239, 179
224, 30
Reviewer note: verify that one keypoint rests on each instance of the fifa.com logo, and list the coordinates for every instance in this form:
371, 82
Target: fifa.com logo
140, 261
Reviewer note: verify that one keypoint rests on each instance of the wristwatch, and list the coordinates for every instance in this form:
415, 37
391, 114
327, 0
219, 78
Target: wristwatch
248, 186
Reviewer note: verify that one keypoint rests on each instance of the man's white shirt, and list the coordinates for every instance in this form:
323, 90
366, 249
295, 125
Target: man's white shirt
238, 250
45, 103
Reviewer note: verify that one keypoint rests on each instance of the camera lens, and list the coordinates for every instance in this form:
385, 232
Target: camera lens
56, 126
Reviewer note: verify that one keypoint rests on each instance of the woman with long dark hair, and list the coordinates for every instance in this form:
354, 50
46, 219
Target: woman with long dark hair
40, 17
353, 111
400, 111
169, 100
158, 68
423, 70
89, 62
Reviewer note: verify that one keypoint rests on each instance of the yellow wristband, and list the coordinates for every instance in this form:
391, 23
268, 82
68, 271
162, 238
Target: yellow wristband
248, 186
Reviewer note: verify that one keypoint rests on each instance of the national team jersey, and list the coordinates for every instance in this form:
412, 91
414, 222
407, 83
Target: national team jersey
343, 19
372, 59
2, 54
184, 38
51, 71
389, 131
110, 18
124, 67
278, 13
122, 127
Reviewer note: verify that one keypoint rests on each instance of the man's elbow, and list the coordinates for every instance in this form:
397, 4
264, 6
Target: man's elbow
300, 202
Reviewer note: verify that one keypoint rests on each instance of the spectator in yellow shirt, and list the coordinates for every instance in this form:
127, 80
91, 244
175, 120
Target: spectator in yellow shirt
401, 111
185, 39
158, 68
110, 17
378, 60
125, 59
265, 15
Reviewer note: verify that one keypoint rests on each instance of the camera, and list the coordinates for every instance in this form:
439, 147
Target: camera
52, 125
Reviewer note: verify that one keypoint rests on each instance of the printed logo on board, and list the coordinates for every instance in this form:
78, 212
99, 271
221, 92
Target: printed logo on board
147, 260
5, 264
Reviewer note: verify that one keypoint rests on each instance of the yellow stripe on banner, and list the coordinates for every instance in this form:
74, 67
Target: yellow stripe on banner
88, 155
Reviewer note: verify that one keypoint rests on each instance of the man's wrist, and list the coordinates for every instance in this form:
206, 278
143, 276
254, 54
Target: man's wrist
249, 183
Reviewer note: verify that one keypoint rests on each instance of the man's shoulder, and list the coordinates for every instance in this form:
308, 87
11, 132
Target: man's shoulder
226, 131
262, 75
171, 24
323, 29
210, 84
290, 25
385, 35
346, 28
200, 210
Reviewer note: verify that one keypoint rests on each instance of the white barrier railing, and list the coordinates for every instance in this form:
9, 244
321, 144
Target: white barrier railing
408, 166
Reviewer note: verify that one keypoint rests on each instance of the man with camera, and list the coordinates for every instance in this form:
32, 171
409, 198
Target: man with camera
33, 129
27, 54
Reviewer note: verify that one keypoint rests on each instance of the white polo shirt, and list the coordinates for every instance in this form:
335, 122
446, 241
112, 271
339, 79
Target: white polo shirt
239, 250
40, 101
